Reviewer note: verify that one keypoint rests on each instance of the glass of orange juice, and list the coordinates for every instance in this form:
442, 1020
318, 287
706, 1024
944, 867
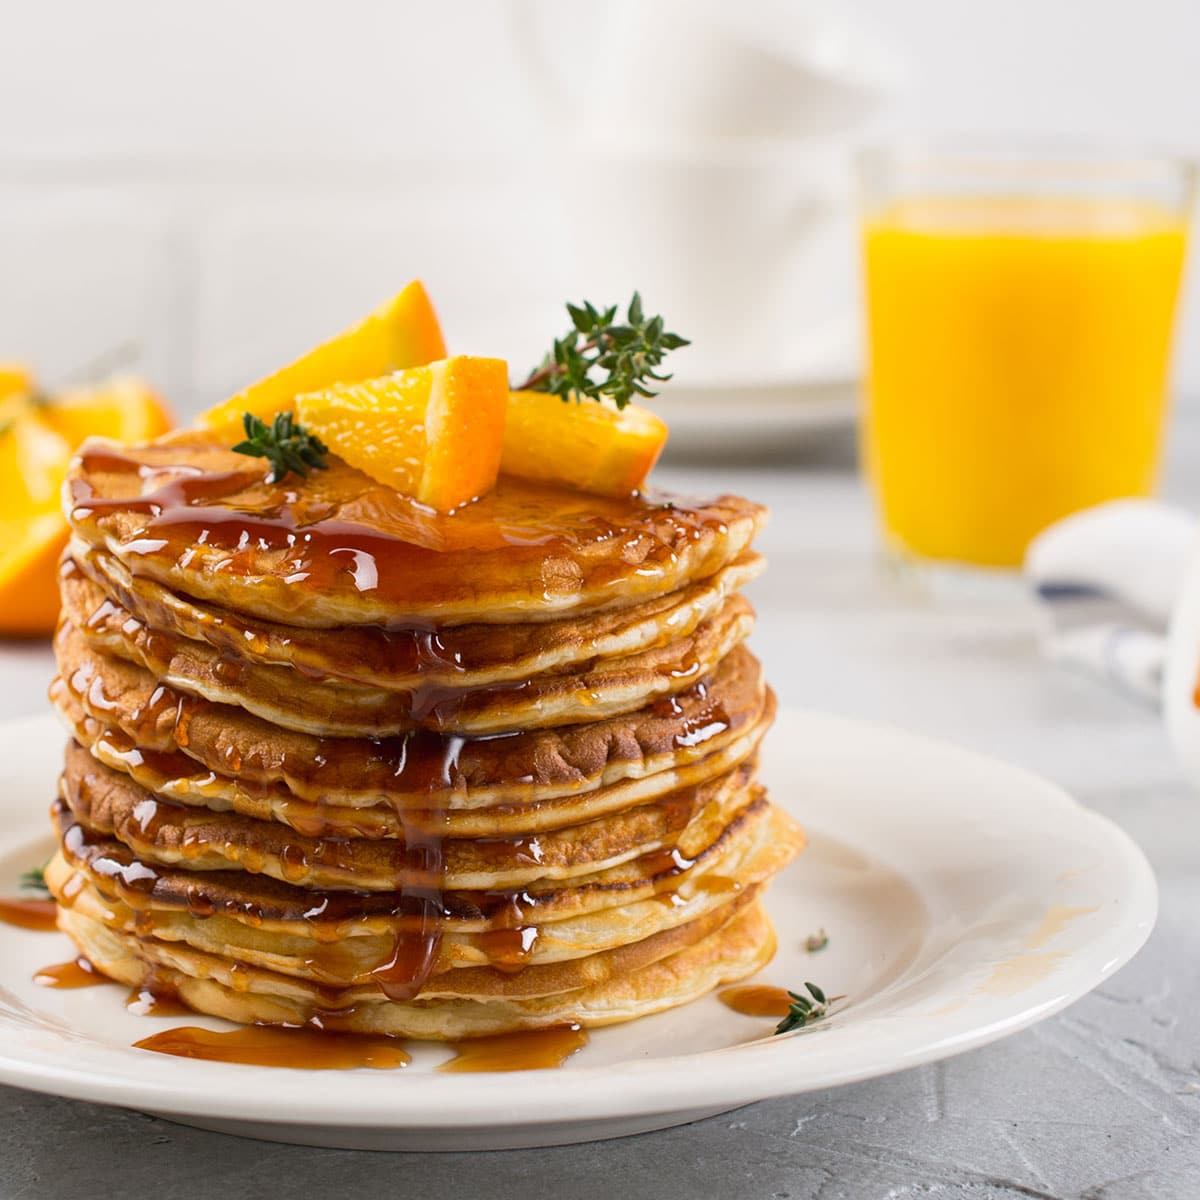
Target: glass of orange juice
1019, 310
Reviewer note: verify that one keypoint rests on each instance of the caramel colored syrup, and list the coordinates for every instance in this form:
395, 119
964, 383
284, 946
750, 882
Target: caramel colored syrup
757, 1000
532, 1050
311, 1049
341, 532
41, 915
78, 973
155, 997
146, 1002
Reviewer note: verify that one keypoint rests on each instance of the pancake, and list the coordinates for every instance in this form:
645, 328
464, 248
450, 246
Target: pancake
421, 770
289, 699
191, 515
331, 971
752, 847
180, 779
209, 984
400, 659
160, 832
496, 960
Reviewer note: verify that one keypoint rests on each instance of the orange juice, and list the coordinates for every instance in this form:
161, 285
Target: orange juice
1018, 356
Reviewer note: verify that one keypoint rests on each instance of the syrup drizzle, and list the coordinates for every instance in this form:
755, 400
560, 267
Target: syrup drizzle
757, 1000
309, 1048
344, 533
41, 915
77, 973
531, 1050
155, 997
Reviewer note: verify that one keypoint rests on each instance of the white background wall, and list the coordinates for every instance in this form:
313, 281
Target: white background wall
224, 182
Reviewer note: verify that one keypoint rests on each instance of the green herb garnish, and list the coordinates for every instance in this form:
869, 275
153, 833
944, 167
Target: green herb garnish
805, 1010
287, 445
602, 358
816, 941
35, 881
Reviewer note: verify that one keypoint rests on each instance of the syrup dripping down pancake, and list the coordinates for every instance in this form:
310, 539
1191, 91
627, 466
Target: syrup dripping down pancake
609, 687
212, 985
400, 659
756, 843
180, 779
343, 550
108, 801
424, 769
264, 923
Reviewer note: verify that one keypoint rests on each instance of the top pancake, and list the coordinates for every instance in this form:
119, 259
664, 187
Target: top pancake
339, 549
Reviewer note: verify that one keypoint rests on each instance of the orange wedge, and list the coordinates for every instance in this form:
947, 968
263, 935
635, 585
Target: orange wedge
591, 446
125, 409
402, 333
29, 551
434, 432
33, 464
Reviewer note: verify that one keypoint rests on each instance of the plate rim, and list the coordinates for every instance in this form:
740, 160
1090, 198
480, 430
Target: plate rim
749, 1072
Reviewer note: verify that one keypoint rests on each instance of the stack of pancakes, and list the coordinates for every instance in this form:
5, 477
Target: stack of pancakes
339, 760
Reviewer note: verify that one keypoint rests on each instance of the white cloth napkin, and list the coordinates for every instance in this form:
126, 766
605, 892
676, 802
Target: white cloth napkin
1107, 579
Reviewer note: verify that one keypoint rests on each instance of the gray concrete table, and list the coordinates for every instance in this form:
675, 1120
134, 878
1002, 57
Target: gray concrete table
1101, 1102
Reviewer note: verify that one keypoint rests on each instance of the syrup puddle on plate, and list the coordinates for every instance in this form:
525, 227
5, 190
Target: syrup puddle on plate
316, 1049
757, 1000
276, 1046
41, 915
77, 973
531, 1050
147, 1001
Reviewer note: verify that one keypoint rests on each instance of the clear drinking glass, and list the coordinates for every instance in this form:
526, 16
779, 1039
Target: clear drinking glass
1019, 313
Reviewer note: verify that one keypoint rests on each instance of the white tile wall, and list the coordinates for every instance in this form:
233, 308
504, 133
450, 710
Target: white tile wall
224, 182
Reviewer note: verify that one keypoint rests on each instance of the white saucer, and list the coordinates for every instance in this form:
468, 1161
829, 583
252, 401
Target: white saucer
766, 417
963, 899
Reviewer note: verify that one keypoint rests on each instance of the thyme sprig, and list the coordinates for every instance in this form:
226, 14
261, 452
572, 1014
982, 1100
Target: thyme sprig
285, 443
602, 357
805, 1010
35, 881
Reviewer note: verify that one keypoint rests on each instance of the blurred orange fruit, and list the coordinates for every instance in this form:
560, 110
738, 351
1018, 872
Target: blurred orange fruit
431, 432
125, 408
590, 445
37, 438
33, 464
16, 379
29, 552
402, 333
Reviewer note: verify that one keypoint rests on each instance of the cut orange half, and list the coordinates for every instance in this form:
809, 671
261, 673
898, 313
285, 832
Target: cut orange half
402, 333
434, 433
589, 445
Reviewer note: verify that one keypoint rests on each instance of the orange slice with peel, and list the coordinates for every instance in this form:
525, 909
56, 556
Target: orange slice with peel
587, 445
432, 432
404, 332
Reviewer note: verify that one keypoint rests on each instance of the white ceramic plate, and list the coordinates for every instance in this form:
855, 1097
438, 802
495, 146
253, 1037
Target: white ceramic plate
762, 418
963, 899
